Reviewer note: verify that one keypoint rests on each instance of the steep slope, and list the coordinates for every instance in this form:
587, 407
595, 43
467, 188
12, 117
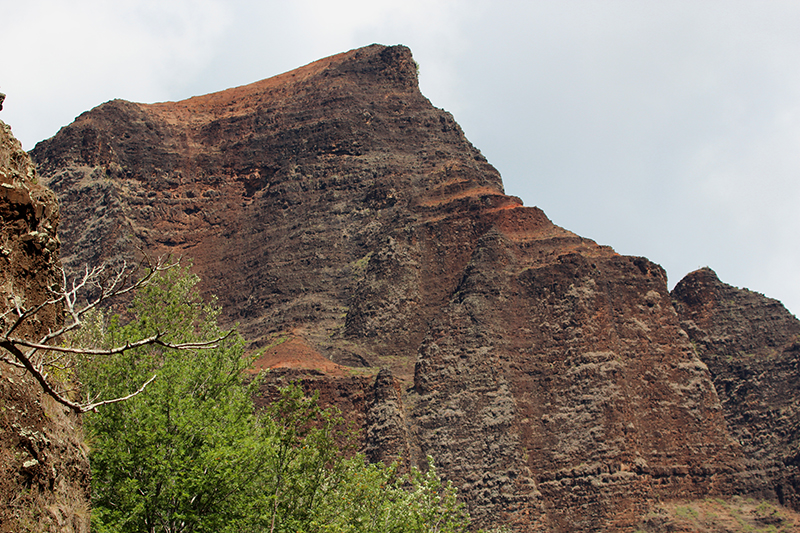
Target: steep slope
751, 344
44, 470
548, 376
279, 191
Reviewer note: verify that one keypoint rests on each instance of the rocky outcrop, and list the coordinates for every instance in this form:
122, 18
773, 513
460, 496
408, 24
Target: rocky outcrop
549, 377
44, 469
588, 400
386, 437
288, 195
751, 345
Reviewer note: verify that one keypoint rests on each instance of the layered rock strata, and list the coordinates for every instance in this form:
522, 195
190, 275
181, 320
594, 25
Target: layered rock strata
548, 376
751, 345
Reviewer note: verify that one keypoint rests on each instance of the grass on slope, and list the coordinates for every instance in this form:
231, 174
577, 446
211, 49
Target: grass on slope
716, 515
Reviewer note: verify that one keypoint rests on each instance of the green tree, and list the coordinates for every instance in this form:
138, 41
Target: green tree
314, 483
179, 456
189, 453
305, 460
373, 498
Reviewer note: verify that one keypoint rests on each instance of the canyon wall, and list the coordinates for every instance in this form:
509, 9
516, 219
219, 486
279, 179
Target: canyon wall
551, 378
751, 344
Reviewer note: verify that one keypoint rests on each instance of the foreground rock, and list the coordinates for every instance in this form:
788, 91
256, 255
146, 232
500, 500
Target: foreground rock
44, 470
548, 376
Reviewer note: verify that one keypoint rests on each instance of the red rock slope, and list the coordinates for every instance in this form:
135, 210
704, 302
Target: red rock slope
548, 376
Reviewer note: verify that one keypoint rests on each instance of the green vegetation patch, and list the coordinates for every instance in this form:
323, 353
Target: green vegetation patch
191, 453
718, 515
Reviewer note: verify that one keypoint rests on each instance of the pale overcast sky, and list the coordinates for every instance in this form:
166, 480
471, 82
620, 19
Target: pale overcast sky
668, 129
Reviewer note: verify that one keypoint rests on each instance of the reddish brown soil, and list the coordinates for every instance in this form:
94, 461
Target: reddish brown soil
294, 353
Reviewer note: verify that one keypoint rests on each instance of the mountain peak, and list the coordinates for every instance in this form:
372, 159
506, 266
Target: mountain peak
390, 67
335, 206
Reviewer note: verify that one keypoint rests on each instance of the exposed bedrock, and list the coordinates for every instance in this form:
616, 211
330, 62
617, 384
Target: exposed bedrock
550, 378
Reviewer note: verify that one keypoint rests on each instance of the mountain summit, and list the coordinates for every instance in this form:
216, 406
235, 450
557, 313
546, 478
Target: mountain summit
550, 378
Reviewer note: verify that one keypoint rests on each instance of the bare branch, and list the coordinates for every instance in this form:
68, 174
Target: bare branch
118, 283
40, 377
12, 362
22, 316
152, 340
119, 286
53, 361
94, 406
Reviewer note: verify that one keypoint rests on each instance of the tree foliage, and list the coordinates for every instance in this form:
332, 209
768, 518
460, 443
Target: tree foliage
178, 456
190, 454
51, 362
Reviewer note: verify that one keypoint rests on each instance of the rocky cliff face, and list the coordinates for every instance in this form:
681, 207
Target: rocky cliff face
549, 377
44, 470
751, 345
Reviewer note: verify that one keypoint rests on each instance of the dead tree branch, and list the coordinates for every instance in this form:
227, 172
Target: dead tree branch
103, 285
